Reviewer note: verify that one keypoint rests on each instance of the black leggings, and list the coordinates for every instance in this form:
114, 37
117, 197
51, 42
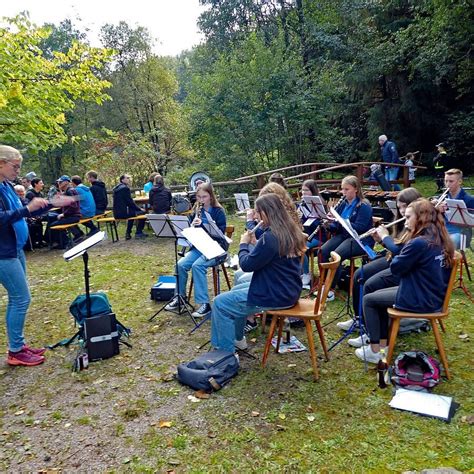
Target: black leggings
345, 246
375, 312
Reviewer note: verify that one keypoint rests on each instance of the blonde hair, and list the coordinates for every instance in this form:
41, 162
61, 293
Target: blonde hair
291, 242
8, 153
355, 183
209, 189
288, 204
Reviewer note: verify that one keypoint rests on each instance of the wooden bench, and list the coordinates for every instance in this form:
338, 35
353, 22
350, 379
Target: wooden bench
111, 224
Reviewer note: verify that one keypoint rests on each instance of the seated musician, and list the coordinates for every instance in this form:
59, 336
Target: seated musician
310, 226
194, 260
423, 267
276, 283
160, 196
453, 181
241, 276
354, 207
376, 274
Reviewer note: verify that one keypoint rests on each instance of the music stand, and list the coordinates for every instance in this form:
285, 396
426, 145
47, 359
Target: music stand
168, 226
78, 251
371, 254
242, 200
458, 214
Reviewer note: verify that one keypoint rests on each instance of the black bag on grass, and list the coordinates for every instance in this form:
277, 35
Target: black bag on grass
209, 371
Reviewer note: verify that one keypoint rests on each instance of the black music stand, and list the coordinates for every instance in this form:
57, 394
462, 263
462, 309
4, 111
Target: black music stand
78, 251
167, 226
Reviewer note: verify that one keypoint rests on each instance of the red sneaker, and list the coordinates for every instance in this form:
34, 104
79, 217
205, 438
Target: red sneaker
38, 352
24, 357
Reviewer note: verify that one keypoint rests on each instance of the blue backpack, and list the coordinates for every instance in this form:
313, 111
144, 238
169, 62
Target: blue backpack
99, 305
209, 371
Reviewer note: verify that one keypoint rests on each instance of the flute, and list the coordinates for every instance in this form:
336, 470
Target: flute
259, 224
374, 229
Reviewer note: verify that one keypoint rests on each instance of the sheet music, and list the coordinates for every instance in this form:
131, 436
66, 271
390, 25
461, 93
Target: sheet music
163, 224
347, 225
212, 228
458, 214
422, 402
316, 206
203, 242
242, 200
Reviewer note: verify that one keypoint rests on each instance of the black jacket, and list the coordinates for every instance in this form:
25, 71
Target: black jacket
160, 199
99, 193
124, 206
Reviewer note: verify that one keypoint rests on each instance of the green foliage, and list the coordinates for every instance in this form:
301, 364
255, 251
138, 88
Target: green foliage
37, 91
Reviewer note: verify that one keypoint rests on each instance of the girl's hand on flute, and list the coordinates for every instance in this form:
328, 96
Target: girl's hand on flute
250, 215
380, 233
248, 238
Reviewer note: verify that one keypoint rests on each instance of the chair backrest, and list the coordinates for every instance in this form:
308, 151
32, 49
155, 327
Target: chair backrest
326, 277
229, 230
452, 280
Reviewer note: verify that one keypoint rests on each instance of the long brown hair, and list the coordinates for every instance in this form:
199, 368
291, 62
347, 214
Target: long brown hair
288, 204
291, 242
430, 224
406, 196
210, 190
312, 186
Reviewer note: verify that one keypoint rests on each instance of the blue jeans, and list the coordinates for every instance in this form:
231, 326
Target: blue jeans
228, 317
456, 238
391, 174
195, 261
13, 278
229, 314
313, 243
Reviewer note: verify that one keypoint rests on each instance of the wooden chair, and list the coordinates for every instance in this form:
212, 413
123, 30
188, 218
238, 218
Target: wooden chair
396, 315
229, 230
306, 310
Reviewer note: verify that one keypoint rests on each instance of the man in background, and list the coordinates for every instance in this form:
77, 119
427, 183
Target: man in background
389, 154
99, 192
86, 203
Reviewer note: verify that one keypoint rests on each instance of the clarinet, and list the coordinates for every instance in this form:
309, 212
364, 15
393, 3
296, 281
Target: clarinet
199, 211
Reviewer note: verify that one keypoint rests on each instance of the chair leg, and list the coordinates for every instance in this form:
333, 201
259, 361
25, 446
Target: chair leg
263, 321
190, 289
442, 352
312, 350
281, 320
441, 323
226, 276
215, 280
268, 344
322, 339
393, 338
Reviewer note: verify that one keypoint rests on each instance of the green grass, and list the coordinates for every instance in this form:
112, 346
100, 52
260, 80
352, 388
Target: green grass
108, 417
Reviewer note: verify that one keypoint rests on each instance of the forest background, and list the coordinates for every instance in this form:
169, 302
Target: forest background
276, 82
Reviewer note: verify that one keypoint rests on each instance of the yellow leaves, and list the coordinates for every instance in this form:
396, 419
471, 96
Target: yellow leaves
3, 101
165, 424
60, 118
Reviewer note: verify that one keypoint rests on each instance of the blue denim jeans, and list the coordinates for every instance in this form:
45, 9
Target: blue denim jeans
313, 243
391, 174
13, 278
228, 317
195, 261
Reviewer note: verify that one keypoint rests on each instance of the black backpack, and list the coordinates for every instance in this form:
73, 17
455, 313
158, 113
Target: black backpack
209, 371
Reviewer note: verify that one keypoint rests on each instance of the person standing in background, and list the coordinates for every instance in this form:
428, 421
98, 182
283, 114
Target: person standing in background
389, 155
441, 163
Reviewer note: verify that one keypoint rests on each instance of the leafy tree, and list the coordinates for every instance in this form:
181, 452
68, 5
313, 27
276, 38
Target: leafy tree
37, 92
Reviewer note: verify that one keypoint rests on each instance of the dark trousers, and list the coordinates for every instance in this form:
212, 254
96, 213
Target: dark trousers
90, 225
61, 235
363, 277
140, 225
345, 246
375, 312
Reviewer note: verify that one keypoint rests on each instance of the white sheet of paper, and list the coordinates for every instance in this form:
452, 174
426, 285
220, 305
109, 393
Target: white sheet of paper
422, 402
203, 242
308, 222
165, 225
458, 214
242, 200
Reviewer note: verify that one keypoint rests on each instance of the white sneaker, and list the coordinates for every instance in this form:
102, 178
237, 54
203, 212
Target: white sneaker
331, 295
366, 353
359, 341
306, 279
345, 325
242, 344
